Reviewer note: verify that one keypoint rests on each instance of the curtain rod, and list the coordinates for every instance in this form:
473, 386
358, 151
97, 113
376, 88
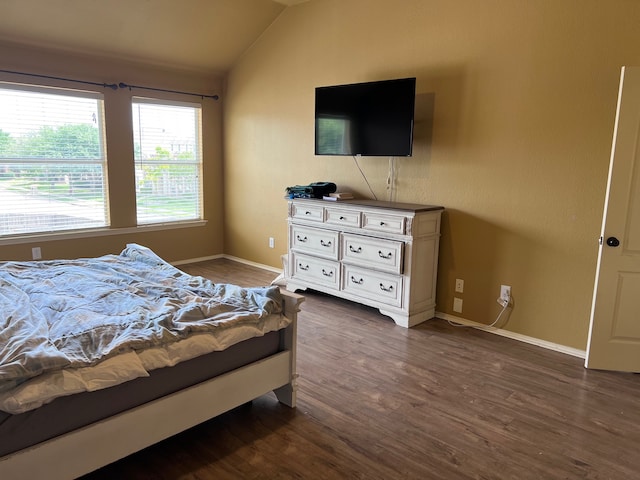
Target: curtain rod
112, 86
126, 85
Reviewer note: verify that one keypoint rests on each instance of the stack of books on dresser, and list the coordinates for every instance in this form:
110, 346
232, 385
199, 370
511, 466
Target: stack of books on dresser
333, 197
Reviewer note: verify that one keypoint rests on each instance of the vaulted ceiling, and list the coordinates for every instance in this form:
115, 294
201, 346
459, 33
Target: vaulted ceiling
199, 35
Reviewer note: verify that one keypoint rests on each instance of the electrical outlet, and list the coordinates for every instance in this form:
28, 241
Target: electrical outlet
457, 305
272, 242
505, 292
36, 253
459, 285
505, 295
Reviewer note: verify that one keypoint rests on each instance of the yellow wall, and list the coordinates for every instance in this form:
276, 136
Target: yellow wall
177, 244
522, 95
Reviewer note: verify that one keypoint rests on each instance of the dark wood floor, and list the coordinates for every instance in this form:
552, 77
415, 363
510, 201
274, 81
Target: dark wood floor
377, 401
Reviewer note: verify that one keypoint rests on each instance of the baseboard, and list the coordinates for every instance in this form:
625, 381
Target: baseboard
575, 352
253, 264
199, 259
228, 257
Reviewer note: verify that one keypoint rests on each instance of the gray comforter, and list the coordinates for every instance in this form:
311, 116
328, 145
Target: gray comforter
74, 313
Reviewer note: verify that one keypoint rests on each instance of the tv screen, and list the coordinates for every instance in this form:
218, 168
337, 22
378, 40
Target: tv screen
368, 119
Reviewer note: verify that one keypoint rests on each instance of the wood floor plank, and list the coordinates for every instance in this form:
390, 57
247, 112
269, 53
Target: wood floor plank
377, 401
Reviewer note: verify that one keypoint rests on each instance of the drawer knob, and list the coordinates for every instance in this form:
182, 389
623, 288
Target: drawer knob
327, 274
301, 239
307, 213
386, 289
386, 257
342, 218
355, 250
354, 280
382, 224
325, 244
303, 267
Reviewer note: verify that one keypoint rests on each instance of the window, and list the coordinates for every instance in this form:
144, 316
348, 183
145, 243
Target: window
52, 160
168, 160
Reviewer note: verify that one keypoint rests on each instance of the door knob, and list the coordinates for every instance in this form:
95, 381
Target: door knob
613, 242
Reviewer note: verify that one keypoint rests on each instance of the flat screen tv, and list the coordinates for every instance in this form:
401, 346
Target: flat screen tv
368, 119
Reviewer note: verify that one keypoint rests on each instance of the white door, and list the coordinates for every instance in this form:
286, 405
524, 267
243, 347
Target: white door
614, 334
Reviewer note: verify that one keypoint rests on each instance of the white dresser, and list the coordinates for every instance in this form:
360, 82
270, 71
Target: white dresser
377, 253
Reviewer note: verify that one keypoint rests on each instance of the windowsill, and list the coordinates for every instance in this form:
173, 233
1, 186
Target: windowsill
98, 232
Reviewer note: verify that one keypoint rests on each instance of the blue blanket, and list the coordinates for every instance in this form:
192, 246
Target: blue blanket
75, 313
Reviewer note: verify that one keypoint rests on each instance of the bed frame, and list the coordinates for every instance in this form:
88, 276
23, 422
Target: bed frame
89, 448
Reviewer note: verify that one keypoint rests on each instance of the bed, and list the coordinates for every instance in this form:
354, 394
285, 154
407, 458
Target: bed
100, 358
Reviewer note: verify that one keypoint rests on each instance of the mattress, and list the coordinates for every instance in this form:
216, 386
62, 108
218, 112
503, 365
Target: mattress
72, 326
68, 413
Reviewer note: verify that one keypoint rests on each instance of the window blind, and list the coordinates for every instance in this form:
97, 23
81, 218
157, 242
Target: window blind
168, 160
52, 160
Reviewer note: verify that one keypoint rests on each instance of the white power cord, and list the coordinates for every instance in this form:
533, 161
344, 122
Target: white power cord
391, 178
505, 302
355, 159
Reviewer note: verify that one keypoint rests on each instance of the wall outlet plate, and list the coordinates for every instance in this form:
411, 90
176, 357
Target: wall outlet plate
505, 292
505, 295
457, 305
459, 285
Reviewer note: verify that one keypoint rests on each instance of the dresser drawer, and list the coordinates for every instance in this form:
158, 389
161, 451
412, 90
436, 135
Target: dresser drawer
311, 213
316, 270
342, 217
378, 286
315, 241
378, 253
380, 222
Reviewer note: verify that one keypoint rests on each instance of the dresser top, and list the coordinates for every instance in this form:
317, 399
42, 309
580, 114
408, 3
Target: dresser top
411, 207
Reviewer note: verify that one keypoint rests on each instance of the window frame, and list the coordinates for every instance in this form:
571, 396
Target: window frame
198, 162
52, 228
